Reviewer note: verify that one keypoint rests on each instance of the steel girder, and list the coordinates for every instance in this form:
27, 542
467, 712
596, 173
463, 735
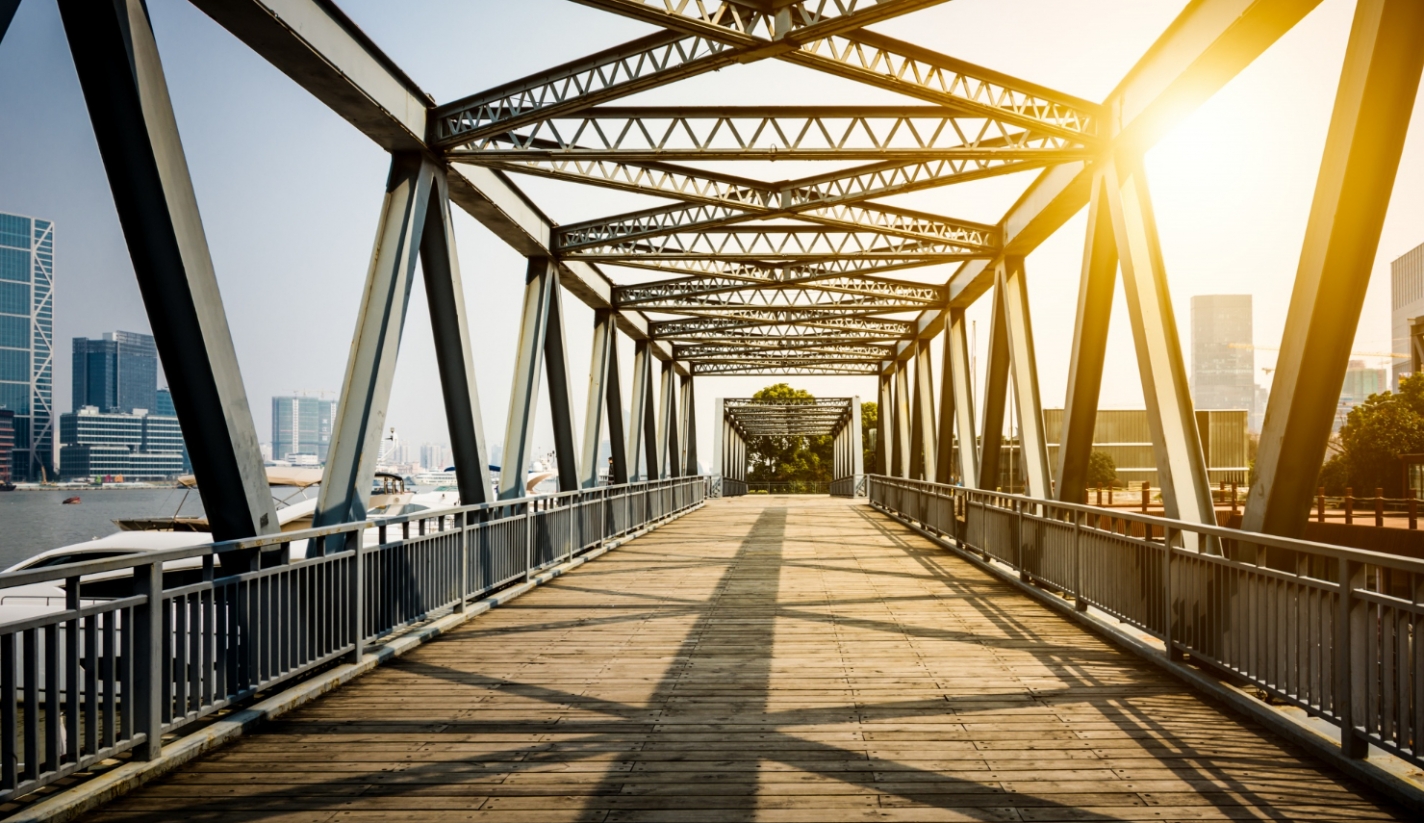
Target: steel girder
664, 291
823, 416
650, 133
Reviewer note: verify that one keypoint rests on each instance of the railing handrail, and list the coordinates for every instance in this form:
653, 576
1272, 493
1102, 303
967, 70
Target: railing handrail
64, 571
1256, 538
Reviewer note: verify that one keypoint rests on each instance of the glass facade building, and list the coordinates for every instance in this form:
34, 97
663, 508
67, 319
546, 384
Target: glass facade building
7, 445
132, 446
27, 341
1223, 359
301, 425
118, 372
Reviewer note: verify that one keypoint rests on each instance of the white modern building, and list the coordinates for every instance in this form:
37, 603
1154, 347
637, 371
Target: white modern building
1406, 293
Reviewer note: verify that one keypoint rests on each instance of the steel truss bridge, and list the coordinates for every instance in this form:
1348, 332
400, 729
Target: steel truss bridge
736, 274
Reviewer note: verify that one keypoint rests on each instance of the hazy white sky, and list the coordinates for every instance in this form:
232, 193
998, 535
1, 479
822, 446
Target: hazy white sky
290, 193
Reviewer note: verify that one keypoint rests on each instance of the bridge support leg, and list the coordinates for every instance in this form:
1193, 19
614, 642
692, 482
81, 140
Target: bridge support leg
370, 367
524, 394
1033, 446
996, 395
668, 464
884, 442
900, 454
561, 394
855, 464
1181, 466
688, 428
922, 434
1090, 343
959, 372
617, 442
642, 430
944, 422
7, 13
600, 370
1378, 85
127, 97
445, 294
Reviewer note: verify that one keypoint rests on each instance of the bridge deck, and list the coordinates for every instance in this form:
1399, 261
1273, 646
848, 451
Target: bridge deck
765, 658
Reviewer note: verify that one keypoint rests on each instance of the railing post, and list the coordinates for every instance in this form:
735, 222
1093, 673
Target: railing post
464, 565
1079, 601
1349, 506
1413, 511
1320, 505
1379, 508
148, 665
1169, 638
1351, 662
1018, 541
356, 599
528, 539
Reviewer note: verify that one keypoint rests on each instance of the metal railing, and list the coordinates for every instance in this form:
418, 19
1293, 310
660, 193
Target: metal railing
1333, 631
788, 487
852, 486
733, 488
130, 648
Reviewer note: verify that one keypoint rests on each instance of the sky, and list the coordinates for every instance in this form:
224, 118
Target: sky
290, 193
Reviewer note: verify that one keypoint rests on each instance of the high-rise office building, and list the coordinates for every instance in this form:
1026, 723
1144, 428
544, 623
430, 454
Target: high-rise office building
136, 446
116, 373
163, 403
7, 445
1223, 360
1406, 294
301, 425
432, 457
27, 341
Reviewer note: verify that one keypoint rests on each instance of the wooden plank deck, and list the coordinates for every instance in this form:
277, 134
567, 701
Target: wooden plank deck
765, 658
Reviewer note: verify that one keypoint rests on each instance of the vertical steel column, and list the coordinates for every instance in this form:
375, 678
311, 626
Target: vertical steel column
901, 455
996, 392
1181, 467
540, 281
667, 424
639, 443
718, 469
1373, 105
960, 374
856, 467
884, 447
1032, 444
922, 435
944, 422
445, 294
689, 428
561, 393
617, 446
127, 97
598, 369
1090, 344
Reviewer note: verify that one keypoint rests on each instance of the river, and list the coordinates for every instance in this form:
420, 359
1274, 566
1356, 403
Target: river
33, 521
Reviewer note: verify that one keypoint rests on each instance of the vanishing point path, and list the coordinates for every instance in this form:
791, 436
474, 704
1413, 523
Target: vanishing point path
765, 658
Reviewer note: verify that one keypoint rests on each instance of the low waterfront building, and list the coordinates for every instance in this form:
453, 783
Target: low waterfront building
1126, 437
139, 446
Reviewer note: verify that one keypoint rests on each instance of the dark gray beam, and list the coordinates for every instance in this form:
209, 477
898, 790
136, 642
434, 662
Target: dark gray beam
618, 470
7, 13
996, 391
540, 283
561, 400
127, 96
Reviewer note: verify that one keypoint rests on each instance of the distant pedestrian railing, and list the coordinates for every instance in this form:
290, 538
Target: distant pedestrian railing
853, 486
788, 487
144, 644
1333, 631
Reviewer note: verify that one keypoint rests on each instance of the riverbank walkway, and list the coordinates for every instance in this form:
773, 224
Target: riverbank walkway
764, 658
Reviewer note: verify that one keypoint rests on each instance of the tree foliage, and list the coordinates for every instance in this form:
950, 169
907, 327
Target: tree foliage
782, 459
869, 417
1375, 434
1102, 470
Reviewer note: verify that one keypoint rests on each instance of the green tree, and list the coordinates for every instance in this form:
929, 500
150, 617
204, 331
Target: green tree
1102, 470
1375, 434
796, 458
869, 417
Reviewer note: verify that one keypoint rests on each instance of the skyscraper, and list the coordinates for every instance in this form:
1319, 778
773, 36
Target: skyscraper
301, 425
1406, 293
118, 372
1223, 360
27, 340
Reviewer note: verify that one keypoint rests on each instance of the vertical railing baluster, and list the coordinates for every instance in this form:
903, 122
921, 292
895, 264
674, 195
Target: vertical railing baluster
72, 643
1350, 661
148, 642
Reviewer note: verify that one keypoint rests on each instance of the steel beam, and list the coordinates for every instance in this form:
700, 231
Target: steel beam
540, 283
7, 13
883, 442
668, 463
127, 96
375, 345
901, 455
688, 427
604, 342
1378, 85
1090, 343
618, 472
642, 438
922, 428
996, 392
1181, 466
445, 295
561, 395
960, 385
1032, 444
